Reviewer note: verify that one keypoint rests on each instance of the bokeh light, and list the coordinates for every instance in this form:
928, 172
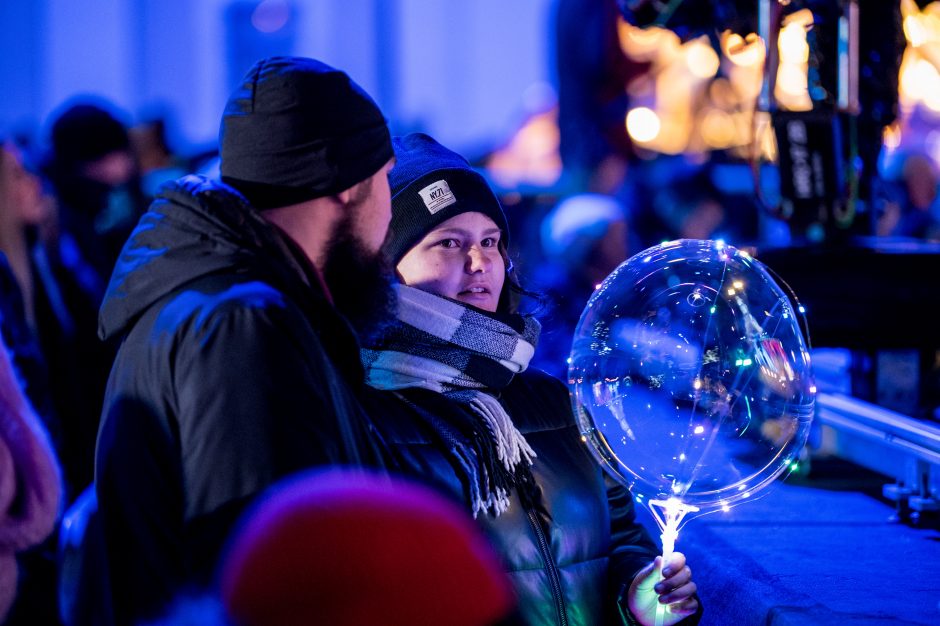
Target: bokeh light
643, 124
701, 58
791, 90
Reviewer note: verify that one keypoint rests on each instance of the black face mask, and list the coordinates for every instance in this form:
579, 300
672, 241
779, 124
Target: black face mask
85, 196
360, 282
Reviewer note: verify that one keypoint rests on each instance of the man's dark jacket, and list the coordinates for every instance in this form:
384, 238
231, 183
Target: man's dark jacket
234, 371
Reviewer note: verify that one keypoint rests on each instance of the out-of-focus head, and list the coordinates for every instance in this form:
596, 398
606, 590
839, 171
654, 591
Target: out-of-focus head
920, 176
22, 202
448, 233
348, 548
297, 129
92, 142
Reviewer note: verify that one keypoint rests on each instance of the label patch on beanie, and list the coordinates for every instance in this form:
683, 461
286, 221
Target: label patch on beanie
437, 195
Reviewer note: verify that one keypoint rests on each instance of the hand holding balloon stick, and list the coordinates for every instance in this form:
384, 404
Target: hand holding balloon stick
668, 515
691, 379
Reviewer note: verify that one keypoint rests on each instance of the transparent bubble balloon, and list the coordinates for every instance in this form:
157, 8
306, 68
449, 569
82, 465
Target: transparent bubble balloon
691, 379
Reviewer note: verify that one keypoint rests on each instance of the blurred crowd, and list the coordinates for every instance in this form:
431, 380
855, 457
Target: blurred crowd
66, 208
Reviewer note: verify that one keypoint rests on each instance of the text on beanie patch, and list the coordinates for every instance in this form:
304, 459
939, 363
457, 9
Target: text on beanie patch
437, 195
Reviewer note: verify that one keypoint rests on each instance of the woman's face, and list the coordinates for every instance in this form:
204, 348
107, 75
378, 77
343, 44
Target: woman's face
459, 259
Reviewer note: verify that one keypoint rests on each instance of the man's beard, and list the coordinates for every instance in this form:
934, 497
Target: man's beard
360, 282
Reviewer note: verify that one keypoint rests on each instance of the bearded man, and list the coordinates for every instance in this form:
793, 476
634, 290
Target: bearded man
239, 303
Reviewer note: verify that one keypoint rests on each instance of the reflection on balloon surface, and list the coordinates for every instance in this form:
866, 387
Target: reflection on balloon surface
691, 377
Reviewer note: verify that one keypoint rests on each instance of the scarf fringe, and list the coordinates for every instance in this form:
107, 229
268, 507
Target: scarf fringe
512, 449
511, 445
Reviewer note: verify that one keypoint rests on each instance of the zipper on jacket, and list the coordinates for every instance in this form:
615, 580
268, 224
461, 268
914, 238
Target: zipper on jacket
553, 578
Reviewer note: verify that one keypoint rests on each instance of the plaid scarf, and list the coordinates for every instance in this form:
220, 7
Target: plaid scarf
463, 353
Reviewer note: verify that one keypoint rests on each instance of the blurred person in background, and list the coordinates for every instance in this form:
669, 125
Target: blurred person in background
25, 209
157, 162
94, 173
30, 502
911, 207
462, 410
583, 238
94, 180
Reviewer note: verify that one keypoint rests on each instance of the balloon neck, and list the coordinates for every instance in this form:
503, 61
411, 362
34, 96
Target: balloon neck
668, 515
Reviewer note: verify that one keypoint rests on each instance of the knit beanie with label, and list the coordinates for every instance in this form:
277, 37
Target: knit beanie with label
431, 184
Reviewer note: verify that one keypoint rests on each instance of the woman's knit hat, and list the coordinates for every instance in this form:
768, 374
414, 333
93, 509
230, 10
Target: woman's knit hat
431, 184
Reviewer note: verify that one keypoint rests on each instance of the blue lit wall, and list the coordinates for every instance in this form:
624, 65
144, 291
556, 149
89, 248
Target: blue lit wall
459, 70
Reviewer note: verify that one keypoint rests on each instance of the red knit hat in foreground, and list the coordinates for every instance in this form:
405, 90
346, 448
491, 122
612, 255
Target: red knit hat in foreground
350, 548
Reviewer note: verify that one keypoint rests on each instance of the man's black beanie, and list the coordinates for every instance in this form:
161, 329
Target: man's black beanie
431, 184
298, 129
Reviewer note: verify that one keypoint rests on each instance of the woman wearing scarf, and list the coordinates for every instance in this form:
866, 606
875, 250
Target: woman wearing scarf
461, 410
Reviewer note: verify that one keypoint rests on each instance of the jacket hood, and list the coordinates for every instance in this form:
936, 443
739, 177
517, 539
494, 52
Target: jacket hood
194, 227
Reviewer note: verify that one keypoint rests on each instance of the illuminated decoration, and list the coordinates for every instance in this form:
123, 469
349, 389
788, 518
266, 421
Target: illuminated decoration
743, 51
791, 90
643, 124
718, 129
691, 379
891, 137
918, 81
701, 59
702, 98
647, 44
716, 109
686, 104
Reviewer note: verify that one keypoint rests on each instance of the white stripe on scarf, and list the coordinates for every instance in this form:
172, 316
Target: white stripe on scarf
399, 370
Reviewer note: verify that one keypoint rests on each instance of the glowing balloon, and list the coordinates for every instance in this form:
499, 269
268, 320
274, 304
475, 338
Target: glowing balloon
691, 379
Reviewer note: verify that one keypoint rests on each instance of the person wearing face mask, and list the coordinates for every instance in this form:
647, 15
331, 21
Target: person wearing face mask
92, 175
95, 177
460, 409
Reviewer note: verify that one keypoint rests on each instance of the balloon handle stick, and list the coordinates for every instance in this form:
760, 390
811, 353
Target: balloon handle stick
668, 514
